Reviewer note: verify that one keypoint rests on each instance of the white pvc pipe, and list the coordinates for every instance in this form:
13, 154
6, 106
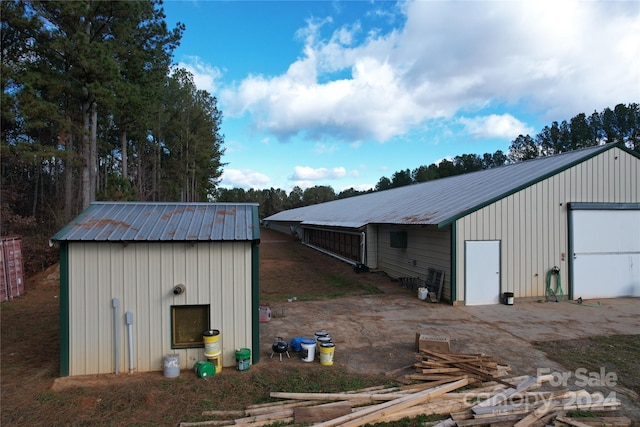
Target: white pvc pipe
114, 302
129, 318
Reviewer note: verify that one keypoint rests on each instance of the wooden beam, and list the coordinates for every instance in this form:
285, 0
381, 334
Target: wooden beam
317, 414
376, 411
571, 421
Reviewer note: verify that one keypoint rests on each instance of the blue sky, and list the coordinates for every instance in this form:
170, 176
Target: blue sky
342, 93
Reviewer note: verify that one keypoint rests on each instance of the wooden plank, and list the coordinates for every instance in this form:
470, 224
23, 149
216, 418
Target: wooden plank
208, 423
546, 407
337, 396
504, 395
486, 421
571, 421
604, 421
446, 423
315, 414
440, 370
363, 417
283, 421
291, 405
466, 366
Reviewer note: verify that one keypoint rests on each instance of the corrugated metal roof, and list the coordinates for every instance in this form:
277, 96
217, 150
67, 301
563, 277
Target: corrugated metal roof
437, 202
143, 221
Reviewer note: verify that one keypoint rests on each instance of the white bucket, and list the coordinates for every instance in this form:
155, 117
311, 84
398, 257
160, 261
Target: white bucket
171, 365
422, 293
308, 350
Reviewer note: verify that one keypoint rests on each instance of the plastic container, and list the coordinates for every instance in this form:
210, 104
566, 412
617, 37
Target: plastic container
204, 369
171, 365
211, 340
243, 359
327, 351
422, 293
508, 298
216, 361
265, 314
308, 349
296, 344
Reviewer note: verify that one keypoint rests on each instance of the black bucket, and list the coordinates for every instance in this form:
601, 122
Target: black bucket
508, 298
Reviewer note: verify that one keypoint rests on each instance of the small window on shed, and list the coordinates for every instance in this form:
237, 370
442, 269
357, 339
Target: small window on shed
398, 239
188, 322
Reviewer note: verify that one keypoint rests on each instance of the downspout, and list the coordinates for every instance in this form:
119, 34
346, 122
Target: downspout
129, 319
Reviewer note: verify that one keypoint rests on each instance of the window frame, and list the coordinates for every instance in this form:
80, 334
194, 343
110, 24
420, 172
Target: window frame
177, 341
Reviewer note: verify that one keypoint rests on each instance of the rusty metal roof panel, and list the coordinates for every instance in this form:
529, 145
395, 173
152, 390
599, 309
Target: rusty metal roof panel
437, 202
144, 221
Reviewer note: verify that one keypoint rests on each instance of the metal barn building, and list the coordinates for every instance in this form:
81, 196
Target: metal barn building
497, 230
179, 269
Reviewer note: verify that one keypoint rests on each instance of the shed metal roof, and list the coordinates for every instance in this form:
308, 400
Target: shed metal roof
144, 221
438, 202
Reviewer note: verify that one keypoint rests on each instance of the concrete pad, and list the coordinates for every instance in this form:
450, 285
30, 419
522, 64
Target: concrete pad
377, 333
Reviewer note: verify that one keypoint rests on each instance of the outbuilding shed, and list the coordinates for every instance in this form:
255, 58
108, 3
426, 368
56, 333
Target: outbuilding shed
496, 231
178, 269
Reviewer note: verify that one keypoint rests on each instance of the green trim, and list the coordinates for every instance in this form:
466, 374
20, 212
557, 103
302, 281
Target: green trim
64, 309
255, 222
255, 300
454, 261
570, 254
603, 206
532, 182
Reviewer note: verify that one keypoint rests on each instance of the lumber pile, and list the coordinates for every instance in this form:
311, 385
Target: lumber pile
443, 367
465, 390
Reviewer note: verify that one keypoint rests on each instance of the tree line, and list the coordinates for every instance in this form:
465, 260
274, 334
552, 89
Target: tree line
618, 125
92, 108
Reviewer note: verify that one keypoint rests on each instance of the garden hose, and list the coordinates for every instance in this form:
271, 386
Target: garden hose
580, 302
554, 294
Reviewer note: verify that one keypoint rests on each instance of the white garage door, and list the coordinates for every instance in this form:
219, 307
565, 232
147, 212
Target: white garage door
606, 253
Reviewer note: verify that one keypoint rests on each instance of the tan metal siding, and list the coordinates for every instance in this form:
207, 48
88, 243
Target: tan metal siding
429, 248
532, 223
142, 277
371, 236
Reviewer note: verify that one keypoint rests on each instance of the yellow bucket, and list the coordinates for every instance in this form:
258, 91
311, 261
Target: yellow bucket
211, 340
326, 353
216, 361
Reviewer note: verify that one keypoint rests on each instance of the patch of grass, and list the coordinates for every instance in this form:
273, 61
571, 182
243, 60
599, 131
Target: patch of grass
617, 354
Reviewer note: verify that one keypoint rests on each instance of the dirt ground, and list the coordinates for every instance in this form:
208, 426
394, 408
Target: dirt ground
371, 319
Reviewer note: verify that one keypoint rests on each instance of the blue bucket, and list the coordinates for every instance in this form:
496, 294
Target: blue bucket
296, 344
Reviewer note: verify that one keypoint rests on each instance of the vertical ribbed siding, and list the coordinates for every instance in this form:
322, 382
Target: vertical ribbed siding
429, 248
532, 223
371, 236
142, 277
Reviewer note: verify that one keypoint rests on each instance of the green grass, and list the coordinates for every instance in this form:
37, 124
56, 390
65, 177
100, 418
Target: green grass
616, 354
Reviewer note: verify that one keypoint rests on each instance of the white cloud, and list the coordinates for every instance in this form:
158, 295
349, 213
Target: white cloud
450, 58
244, 178
306, 173
205, 76
495, 126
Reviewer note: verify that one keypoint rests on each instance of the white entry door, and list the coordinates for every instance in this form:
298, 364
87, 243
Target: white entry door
606, 253
482, 272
